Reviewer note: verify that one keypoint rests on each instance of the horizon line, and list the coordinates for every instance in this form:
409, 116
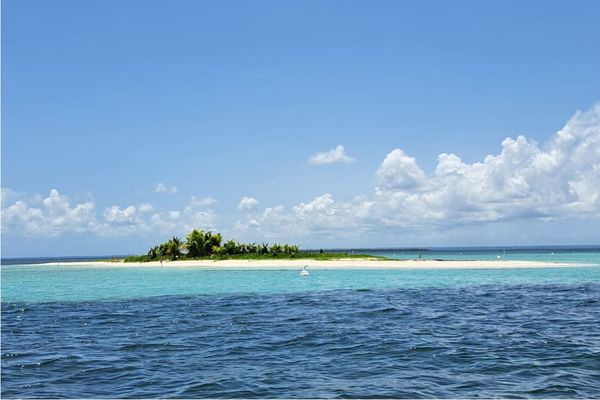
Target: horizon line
407, 249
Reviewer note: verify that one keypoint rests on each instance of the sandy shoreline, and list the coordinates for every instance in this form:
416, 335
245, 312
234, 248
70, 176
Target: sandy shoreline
329, 264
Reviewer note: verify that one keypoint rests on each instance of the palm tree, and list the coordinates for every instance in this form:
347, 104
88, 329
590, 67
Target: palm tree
290, 249
230, 247
276, 249
204, 244
240, 248
153, 253
195, 244
252, 248
264, 248
209, 241
163, 249
215, 240
218, 252
174, 248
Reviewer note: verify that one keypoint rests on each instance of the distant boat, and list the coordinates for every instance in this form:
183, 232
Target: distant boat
304, 271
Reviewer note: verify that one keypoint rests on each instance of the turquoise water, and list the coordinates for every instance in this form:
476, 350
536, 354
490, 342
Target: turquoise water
43, 283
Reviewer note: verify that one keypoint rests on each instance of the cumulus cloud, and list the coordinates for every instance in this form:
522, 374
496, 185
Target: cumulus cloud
118, 215
322, 218
247, 204
399, 171
55, 215
145, 219
162, 188
51, 216
182, 221
523, 182
337, 155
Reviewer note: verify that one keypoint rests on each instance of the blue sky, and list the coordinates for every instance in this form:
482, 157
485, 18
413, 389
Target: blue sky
103, 101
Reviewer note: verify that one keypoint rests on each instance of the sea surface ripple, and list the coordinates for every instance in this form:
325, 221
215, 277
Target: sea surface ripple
517, 340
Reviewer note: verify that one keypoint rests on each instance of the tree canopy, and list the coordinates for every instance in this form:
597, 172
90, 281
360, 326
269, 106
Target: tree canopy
201, 244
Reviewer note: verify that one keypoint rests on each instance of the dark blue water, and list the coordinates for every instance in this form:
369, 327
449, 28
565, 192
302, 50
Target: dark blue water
518, 340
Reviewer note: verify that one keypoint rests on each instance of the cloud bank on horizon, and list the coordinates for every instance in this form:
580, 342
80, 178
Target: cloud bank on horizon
525, 181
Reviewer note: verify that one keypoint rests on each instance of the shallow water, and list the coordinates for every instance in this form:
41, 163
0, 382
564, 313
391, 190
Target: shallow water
37, 283
178, 332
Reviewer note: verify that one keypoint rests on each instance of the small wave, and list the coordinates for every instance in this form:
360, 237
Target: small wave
441, 343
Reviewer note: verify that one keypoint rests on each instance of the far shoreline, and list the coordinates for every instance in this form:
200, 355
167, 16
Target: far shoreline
341, 264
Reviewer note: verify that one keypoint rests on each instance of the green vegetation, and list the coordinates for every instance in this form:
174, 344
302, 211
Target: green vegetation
201, 245
209, 245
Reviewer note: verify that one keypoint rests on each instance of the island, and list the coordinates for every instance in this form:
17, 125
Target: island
201, 245
207, 250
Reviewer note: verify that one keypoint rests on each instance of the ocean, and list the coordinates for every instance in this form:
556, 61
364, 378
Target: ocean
186, 332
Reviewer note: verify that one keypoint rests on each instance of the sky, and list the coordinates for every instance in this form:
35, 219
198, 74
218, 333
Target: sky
319, 123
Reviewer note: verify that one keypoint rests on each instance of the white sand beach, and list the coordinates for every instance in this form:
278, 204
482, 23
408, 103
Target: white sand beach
353, 263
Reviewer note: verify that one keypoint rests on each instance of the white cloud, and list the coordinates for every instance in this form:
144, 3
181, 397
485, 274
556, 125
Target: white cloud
202, 201
320, 218
524, 182
117, 215
180, 222
337, 155
399, 171
247, 204
267, 225
52, 217
145, 219
131, 215
162, 188
145, 207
